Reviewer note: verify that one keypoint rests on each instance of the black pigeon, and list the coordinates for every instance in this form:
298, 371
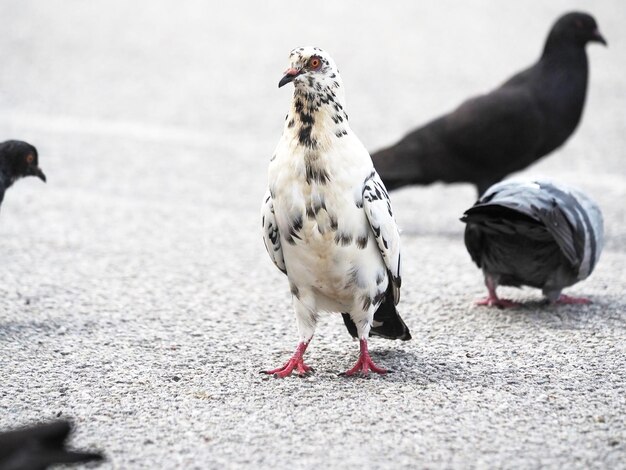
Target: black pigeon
493, 135
39, 446
17, 159
534, 233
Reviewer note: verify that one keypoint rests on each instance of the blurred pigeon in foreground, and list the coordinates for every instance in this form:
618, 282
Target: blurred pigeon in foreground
493, 135
327, 219
17, 159
39, 446
534, 233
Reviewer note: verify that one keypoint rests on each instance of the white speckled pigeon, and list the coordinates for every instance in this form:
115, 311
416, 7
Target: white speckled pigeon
534, 233
327, 219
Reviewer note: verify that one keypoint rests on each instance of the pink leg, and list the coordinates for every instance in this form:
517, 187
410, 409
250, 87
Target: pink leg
566, 299
492, 300
296, 362
365, 363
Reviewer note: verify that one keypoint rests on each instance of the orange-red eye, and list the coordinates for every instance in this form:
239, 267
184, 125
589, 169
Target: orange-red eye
30, 158
315, 63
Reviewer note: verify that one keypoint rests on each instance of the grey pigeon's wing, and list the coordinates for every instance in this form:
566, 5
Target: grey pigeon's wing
558, 225
377, 207
576, 227
594, 232
574, 210
271, 236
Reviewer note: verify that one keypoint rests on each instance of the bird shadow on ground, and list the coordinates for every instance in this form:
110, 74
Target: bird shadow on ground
403, 367
540, 312
410, 367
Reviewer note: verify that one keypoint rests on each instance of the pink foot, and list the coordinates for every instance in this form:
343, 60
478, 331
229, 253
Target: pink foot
492, 300
567, 300
364, 363
296, 362
497, 302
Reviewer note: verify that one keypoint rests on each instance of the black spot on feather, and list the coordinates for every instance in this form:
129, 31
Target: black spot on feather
343, 239
294, 290
315, 174
294, 228
307, 119
304, 137
333, 222
361, 241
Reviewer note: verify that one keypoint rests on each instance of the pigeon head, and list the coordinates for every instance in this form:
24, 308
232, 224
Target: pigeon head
21, 159
311, 68
318, 102
576, 28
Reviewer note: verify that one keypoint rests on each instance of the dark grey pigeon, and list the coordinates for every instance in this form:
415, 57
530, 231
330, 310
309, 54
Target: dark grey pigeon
534, 233
40, 446
493, 135
17, 159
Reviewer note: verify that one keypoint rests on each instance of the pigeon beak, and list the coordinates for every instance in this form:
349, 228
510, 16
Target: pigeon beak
597, 37
290, 74
36, 171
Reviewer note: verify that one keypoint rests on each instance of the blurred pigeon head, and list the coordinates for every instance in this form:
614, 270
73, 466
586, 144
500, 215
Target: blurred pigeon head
22, 158
577, 27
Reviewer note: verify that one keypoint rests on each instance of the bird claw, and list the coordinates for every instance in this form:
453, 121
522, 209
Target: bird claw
296, 362
364, 364
497, 302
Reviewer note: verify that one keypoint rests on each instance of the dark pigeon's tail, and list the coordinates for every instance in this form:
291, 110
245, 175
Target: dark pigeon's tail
399, 165
418, 158
40, 446
497, 218
387, 322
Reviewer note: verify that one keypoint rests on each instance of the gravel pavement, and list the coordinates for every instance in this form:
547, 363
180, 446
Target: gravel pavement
136, 296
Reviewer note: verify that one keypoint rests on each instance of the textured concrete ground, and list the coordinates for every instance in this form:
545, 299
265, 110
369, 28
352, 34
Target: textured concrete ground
136, 295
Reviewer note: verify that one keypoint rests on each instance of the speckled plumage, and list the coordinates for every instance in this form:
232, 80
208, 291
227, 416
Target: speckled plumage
535, 233
327, 218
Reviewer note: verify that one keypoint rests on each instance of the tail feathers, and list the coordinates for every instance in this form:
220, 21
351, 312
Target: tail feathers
398, 167
498, 219
387, 322
422, 157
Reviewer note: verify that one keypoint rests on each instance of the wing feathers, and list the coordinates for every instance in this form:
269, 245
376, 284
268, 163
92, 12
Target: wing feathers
377, 207
271, 236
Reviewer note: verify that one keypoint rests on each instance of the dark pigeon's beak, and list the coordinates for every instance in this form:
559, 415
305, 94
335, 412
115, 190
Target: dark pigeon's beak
36, 171
290, 74
597, 37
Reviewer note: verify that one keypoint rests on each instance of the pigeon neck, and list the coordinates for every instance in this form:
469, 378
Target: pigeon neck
563, 48
560, 90
315, 113
7, 176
